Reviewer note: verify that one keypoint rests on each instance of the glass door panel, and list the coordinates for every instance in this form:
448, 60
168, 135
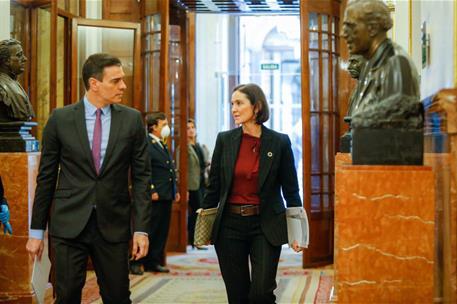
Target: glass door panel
61, 98
43, 73
322, 99
270, 57
151, 55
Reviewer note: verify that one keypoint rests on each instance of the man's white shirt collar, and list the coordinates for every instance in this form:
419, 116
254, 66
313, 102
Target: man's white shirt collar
156, 139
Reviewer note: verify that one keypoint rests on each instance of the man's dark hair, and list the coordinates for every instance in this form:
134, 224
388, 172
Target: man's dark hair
152, 119
191, 120
5, 52
257, 98
95, 64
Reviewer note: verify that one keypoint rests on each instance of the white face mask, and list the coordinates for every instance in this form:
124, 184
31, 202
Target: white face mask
165, 132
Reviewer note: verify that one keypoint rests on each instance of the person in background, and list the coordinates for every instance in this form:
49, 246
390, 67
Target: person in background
163, 193
250, 166
195, 179
90, 151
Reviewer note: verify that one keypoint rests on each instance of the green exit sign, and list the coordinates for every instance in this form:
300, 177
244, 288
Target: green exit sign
269, 66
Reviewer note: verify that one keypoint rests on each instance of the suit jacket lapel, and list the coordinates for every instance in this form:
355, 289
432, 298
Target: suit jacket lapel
116, 123
234, 147
267, 155
80, 122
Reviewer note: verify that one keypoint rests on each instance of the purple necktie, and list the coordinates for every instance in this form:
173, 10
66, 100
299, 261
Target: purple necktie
97, 140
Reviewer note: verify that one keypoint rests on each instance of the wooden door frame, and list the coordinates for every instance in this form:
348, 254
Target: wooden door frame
306, 117
331, 8
164, 96
137, 70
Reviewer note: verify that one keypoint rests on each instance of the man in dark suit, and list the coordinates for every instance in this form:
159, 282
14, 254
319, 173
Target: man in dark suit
89, 149
163, 192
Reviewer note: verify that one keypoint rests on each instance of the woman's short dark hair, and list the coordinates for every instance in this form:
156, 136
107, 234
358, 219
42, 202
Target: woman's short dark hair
152, 119
257, 98
95, 64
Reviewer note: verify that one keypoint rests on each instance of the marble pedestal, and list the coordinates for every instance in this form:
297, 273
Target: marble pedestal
18, 172
384, 234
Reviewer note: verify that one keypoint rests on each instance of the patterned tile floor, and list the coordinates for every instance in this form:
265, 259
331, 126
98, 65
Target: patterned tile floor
195, 278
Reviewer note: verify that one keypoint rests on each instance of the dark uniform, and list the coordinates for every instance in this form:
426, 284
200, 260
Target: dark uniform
163, 182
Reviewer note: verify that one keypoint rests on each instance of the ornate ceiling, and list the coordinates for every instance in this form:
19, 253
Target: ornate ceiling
240, 6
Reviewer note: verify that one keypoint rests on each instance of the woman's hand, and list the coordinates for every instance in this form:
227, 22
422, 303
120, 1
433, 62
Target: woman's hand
296, 247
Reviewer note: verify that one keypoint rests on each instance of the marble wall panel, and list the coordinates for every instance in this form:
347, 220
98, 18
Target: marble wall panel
384, 236
18, 172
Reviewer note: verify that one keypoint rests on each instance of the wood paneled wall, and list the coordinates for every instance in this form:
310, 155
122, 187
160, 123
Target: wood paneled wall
122, 10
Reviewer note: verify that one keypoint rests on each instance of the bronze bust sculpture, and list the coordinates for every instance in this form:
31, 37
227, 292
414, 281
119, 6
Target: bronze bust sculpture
355, 66
386, 113
14, 102
16, 111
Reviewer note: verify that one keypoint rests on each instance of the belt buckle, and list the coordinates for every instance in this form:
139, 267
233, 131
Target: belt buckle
244, 210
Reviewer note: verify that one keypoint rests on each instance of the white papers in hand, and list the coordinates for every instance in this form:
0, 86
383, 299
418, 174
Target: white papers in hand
40, 275
297, 226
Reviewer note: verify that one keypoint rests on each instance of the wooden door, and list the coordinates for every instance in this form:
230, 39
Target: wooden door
320, 55
164, 53
177, 108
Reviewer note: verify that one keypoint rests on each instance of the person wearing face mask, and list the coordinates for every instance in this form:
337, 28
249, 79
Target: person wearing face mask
251, 166
163, 193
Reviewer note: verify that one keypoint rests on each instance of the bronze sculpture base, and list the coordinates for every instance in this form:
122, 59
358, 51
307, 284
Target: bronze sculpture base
16, 137
387, 146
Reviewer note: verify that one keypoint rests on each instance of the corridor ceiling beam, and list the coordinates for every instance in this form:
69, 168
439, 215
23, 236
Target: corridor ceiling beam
240, 6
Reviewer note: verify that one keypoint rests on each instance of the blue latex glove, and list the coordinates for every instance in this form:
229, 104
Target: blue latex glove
4, 219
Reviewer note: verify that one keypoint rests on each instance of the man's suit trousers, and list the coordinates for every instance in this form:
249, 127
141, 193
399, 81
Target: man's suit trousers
158, 234
110, 262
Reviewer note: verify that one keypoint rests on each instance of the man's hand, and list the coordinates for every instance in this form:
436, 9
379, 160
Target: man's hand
140, 246
177, 198
35, 248
155, 196
296, 247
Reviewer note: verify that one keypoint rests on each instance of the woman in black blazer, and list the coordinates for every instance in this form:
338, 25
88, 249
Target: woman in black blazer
249, 168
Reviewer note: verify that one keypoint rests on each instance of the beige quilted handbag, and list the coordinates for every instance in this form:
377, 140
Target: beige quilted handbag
204, 226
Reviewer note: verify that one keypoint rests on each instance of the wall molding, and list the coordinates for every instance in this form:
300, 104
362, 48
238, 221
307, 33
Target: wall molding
410, 36
455, 44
